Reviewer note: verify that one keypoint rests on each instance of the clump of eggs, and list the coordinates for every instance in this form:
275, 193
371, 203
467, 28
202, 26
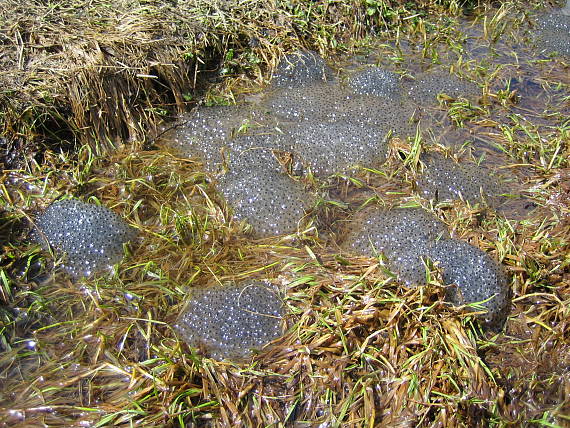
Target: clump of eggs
89, 237
408, 237
231, 320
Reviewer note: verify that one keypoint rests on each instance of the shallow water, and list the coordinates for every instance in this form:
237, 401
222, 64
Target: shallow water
525, 89
336, 119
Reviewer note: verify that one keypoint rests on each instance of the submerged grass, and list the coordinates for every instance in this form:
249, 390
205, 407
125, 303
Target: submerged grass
360, 349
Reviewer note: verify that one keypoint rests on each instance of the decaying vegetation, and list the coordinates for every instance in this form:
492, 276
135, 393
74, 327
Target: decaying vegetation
360, 349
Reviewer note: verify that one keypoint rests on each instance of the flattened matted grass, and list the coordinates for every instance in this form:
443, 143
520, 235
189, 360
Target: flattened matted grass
360, 350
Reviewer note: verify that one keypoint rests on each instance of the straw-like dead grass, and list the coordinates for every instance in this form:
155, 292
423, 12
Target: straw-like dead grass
102, 73
361, 350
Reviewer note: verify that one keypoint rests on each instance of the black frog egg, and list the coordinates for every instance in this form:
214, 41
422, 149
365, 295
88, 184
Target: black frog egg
473, 276
90, 237
300, 69
229, 321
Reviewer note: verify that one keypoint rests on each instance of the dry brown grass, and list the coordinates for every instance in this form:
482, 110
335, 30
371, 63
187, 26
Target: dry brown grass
361, 350
103, 73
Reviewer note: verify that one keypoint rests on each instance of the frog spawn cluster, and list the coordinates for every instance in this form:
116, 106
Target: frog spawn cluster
428, 86
228, 321
299, 69
331, 127
402, 235
271, 202
204, 133
90, 237
327, 125
444, 179
316, 102
376, 81
473, 277
347, 143
408, 237
553, 33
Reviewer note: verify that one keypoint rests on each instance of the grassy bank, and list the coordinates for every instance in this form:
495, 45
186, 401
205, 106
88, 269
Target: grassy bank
103, 73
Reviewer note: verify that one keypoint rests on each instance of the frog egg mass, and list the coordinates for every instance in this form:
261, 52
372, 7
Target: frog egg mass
330, 148
375, 229
443, 179
203, 132
319, 101
376, 81
473, 277
253, 152
299, 69
407, 236
429, 85
271, 202
553, 33
90, 236
228, 321
388, 115
402, 235
327, 126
